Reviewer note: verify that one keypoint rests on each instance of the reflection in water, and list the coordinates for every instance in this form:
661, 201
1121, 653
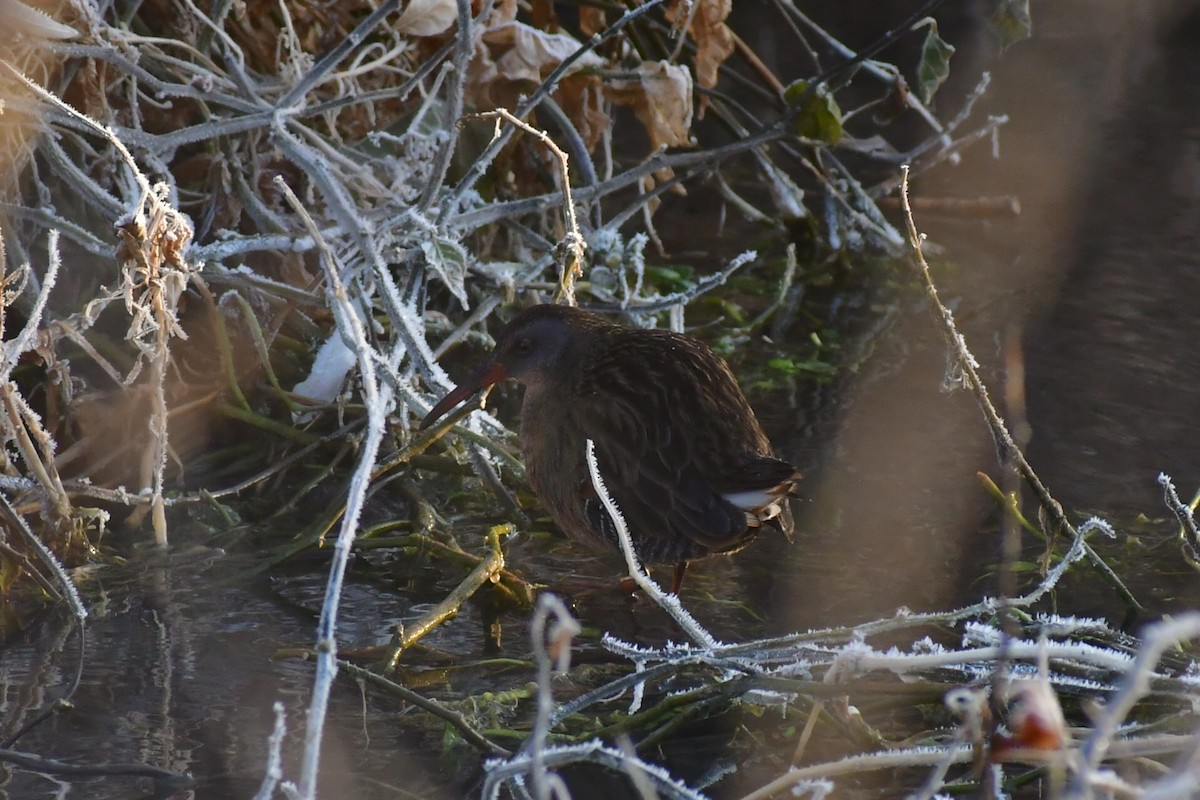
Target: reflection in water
178, 673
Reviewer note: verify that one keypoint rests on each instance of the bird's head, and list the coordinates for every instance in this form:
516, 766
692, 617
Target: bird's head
531, 349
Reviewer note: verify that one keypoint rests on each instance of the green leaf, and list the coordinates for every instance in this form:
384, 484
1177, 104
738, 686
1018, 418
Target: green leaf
448, 260
818, 115
1012, 22
784, 365
934, 66
790, 367
675, 279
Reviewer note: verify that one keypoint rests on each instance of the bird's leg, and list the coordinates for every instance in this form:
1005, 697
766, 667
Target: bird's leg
677, 579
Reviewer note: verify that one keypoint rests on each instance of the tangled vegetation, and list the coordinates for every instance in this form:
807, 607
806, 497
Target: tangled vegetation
257, 208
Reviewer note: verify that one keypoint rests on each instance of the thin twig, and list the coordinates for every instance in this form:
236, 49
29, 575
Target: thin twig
470, 735
408, 635
969, 366
1189, 535
573, 244
378, 401
669, 603
1156, 639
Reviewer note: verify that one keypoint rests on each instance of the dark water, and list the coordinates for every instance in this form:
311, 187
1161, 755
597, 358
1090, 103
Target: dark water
1098, 277
1095, 277
179, 673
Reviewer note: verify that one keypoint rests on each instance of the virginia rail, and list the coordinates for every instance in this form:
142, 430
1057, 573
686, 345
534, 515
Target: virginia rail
677, 443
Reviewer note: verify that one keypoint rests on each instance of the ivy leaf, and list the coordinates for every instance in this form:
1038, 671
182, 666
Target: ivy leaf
1012, 22
934, 66
818, 115
448, 260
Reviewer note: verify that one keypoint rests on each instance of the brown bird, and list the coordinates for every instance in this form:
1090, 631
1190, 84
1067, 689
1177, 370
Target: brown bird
677, 443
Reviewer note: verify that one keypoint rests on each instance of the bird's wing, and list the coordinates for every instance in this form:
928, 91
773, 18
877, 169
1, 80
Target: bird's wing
662, 498
650, 457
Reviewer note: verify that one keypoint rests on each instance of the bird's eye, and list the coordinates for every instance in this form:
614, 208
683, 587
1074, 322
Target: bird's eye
524, 345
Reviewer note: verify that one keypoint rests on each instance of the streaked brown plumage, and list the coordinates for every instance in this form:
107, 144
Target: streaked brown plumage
678, 445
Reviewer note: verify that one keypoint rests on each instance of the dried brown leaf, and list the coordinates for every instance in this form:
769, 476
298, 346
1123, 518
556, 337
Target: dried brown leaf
661, 96
482, 76
503, 11
533, 54
427, 17
543, 16
591, 20
580, 97
714, 40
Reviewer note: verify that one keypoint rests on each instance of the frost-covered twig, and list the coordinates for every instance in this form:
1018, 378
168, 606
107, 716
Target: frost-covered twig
552, 630
573, 244
1183, 782
552, 652
1156, 639
966, 362
700, 162
484, 159
273, 772
52, 564
24, 426
867, 762
685, 296
345, 45
465, 47
1188, 534
595, 752
154, 238
668, 602
845, 651
12, 350
378, 400
969, 708
908, 620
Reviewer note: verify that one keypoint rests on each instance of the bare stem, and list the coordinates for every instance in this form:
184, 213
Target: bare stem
969, 366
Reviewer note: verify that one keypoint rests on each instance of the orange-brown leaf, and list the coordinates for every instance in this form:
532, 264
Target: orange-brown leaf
591, 20
661, 96
714, 41
580, 97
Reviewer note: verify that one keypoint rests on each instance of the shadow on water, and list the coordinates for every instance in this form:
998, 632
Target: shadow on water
1100, 273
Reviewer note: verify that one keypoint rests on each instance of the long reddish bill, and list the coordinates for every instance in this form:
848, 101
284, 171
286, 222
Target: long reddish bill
492, 373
